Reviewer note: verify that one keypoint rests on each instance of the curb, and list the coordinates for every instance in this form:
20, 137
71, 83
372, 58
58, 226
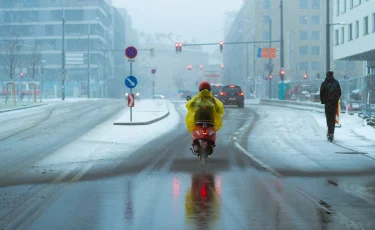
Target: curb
145, 122
27, 107
286, 106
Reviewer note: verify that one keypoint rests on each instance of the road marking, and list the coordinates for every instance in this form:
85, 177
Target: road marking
235, 138
236, 133
320, 203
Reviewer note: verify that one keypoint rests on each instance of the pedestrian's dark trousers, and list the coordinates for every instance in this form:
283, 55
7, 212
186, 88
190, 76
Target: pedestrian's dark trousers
330, 110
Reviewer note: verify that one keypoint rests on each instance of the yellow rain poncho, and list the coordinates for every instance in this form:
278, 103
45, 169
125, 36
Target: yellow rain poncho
204, 98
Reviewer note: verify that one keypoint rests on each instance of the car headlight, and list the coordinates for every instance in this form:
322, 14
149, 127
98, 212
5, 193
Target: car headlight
126, 94
137, 94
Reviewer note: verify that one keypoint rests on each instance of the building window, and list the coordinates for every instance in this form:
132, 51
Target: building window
266, 19
266, 35
303, 4
303, 50
316, 4
315, 65
302, 19
267, 4
315, 35
315, 50
365, 26
351, 4
315, 19
337, 37
357, 29
342, 35
373, 22
303, 65
303, 35
350, 32
337, 8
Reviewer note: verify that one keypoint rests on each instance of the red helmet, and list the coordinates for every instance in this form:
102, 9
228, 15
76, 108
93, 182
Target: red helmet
204, 85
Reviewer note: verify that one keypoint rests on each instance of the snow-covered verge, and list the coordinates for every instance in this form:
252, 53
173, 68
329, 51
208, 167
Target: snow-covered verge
111, 142
350, 124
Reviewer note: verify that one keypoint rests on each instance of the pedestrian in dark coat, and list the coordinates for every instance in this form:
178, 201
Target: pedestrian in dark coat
330, 93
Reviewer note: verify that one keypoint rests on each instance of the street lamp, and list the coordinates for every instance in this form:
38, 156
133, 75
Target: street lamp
41, 80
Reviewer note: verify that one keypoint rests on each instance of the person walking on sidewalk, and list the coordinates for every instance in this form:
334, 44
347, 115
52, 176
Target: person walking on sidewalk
330, 93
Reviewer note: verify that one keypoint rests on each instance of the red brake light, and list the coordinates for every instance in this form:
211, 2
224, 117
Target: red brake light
232, 86
240, 94
223, 93
204, 191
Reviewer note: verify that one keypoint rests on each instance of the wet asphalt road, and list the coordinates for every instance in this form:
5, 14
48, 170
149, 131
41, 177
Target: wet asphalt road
263, 175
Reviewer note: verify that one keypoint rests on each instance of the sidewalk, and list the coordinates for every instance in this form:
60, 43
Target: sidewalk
144, 112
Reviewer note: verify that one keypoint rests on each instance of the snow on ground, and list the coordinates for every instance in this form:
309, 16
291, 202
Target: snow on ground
111, 142
351, 125
145, 110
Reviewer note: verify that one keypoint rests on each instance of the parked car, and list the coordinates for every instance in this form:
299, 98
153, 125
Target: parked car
232, 95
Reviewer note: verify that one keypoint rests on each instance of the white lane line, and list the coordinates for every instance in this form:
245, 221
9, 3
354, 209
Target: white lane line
235, 139
236, 133
309, 197
241, 128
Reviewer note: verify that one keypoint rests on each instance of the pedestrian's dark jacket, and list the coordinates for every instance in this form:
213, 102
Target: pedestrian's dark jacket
330, 91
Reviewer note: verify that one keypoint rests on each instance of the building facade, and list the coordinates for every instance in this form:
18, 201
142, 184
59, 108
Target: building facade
304, 30
92, 32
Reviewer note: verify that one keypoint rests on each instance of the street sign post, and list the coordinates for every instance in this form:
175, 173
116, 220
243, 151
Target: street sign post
131, 100
131, 82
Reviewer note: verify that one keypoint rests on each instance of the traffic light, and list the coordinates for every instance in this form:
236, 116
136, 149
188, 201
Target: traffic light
222, 66
22, 74
189, 67
270, 77
305, 76
282, 74
201, 67
221, 46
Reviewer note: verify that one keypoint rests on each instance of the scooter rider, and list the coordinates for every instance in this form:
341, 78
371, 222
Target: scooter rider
204, 106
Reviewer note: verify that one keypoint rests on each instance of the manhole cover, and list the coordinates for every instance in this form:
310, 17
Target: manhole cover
350, 153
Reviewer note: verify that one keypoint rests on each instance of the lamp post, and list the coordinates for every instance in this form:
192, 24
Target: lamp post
41, 80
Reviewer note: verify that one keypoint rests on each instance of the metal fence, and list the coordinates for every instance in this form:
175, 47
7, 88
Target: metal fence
359, 91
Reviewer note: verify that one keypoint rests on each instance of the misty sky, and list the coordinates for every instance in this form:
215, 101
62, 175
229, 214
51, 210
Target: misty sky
190, 18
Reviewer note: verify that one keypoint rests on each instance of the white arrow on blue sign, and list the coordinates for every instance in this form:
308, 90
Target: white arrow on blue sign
131, 82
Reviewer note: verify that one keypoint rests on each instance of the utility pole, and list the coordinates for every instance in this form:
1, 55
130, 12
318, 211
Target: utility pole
88, 62
328, 45
254, 67
63, 59
270, 61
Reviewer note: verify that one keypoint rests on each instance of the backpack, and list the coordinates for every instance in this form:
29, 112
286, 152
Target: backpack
332, 92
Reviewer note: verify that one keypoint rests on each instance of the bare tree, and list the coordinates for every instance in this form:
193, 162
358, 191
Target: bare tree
36, 61
11, 58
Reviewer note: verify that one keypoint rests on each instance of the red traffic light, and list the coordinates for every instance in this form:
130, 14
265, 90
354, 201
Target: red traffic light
178, 47
282, 72
22, 74
221, 46
201, 66
189, 67
222, 66
305, 76
270, 76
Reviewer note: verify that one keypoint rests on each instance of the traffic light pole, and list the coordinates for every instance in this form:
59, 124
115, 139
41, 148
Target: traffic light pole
88, 63
282, 75
63, 60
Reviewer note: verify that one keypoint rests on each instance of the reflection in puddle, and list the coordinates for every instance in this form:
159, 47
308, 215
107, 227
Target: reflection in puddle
201, 203
129, 212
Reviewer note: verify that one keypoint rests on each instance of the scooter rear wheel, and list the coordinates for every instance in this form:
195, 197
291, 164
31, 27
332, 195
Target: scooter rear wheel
202, 155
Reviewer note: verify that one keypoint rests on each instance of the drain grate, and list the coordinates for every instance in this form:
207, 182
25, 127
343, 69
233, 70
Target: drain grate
351, 153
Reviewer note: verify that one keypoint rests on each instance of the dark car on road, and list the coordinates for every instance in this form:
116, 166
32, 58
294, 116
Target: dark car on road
216, 89
232, 95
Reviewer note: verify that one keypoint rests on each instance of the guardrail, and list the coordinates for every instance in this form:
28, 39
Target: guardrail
279, 102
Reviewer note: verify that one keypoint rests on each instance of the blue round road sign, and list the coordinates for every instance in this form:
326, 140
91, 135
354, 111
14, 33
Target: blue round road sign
131, 52
131, 82
153, 71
